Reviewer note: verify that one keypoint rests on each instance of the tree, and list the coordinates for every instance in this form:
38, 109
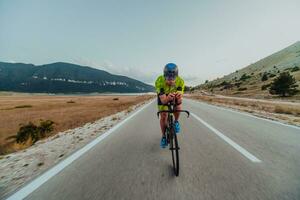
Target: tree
283, 85
206, 81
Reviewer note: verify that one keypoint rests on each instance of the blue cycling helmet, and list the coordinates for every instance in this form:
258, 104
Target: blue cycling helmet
170, 71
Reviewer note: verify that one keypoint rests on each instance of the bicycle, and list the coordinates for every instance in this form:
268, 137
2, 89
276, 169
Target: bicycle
171, 135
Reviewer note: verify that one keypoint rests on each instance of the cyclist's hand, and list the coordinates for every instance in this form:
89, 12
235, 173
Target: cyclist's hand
171, 96
178, 95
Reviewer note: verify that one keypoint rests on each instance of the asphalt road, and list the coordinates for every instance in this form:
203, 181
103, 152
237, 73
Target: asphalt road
215, 158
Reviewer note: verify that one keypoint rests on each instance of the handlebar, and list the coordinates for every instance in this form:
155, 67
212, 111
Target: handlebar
173, 111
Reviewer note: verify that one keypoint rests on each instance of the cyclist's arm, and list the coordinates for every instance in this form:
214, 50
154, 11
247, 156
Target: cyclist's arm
180, 91
161, 92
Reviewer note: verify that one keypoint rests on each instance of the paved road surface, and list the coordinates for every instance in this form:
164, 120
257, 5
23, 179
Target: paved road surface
128, 163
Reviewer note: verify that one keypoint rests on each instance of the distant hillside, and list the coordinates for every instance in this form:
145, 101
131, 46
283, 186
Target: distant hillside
248, 81
64, 78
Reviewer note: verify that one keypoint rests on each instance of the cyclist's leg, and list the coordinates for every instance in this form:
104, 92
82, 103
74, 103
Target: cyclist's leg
177, 114
163, 122
163, 118
178, 107
163, 125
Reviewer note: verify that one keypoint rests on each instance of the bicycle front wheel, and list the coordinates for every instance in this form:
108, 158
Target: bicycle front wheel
175, 151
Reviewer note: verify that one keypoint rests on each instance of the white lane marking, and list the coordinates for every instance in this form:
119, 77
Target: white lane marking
29, 188
246, 114
228, 140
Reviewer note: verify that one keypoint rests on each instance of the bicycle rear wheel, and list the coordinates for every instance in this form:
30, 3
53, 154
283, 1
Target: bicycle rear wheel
175, 151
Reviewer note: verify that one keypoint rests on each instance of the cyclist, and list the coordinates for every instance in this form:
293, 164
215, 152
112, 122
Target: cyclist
169, 87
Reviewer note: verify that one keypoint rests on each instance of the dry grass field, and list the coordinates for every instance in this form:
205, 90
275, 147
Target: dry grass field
66, 111
287, 112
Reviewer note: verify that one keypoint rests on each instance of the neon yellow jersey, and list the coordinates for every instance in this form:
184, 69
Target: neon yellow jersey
162, 87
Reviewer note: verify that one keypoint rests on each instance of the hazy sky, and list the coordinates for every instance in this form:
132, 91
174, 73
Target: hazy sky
206, 39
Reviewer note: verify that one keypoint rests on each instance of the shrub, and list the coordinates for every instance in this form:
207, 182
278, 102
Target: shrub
45, 127
71, 101
226, 85
114, 118
23, 106
33, 132
115, 99
25, 132
244, 77
223, 83
264, 77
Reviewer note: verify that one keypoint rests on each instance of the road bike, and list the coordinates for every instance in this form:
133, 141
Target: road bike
171, 135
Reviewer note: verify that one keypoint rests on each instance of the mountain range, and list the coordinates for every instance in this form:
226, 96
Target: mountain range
61, 77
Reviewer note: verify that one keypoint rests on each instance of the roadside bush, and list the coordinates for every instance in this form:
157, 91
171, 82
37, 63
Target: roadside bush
45, 127
34, 132
25, 132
